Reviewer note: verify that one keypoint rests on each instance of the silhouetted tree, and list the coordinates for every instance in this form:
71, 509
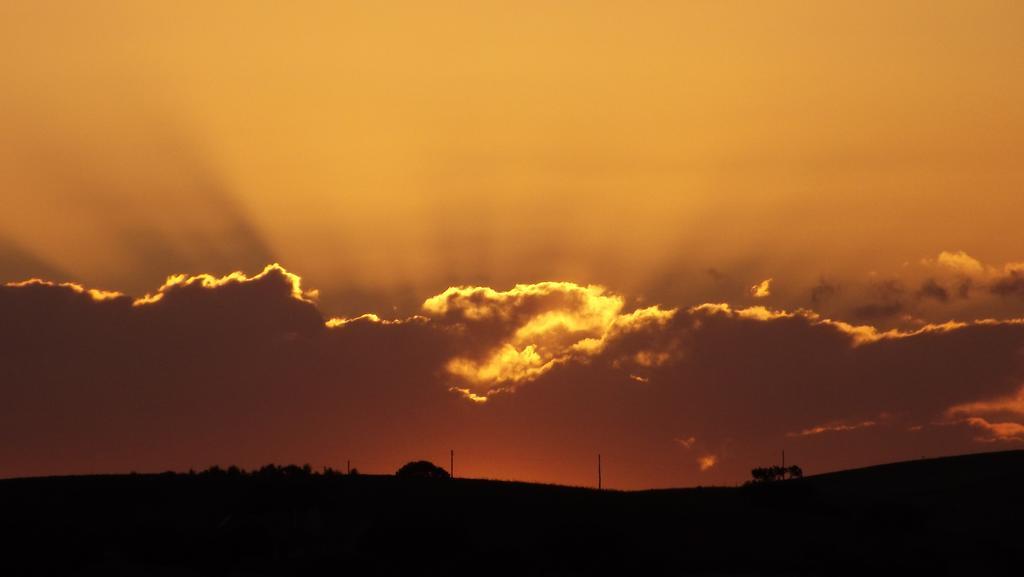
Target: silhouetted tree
775, 473
424, 469
759, 474
214, 471
270, 472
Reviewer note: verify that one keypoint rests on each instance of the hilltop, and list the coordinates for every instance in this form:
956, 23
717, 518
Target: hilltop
946, 516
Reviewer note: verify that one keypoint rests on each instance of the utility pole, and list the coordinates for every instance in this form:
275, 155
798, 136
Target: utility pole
348, 467
783, 463
599, 471
451, 463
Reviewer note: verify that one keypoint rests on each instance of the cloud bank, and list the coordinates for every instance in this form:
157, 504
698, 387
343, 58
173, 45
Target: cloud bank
528, 382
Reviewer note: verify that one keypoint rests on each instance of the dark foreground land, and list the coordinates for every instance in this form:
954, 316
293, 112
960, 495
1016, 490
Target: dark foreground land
951, 516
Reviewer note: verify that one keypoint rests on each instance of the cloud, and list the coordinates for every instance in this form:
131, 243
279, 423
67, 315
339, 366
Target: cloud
887, 301
1013, 404
706, 462
931, 289
823, 291
1012, 284
524, 332
992, 432
832, 428
182, 282
687, 443
756, 312
950, 286
981, 414
967, 273
959, 262
246, 368
716, 275
272, 303
95, 294
761, 289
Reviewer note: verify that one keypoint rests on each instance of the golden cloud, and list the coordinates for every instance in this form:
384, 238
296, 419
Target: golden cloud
962, 263
208, 281
538, 327
95, 294
762, 289
959, 262
335, 322
467, 393
758, 313
1000, 280
859, 334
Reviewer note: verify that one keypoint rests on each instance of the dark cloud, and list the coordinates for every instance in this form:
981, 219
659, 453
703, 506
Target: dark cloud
887, 302
1012, 284
246, 369
963, 287
823, 292
717, 275
878, 311
953, 285
931, 289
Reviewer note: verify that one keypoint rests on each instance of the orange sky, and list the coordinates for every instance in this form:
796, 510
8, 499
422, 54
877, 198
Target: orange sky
864, 156
389, 150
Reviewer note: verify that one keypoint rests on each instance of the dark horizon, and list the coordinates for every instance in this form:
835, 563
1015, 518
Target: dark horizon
935, 517
356, 471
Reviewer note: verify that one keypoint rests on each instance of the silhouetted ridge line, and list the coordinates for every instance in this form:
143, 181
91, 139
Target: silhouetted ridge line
958, 515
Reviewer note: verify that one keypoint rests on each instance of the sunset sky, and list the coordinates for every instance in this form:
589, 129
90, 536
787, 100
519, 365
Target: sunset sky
683, 234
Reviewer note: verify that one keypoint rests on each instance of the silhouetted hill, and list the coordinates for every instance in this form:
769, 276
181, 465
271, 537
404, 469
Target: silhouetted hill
957, 515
